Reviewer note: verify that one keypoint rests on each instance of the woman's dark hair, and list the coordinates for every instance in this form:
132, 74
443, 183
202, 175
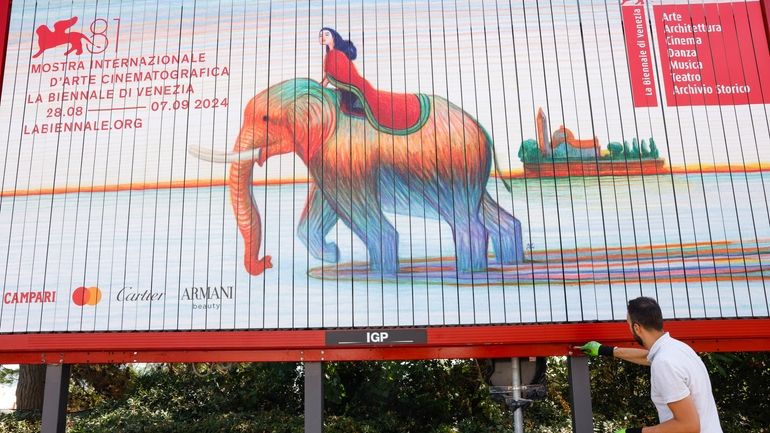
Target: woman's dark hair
646, 312
340, 44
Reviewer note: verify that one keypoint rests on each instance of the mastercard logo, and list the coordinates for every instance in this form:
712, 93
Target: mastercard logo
86, 296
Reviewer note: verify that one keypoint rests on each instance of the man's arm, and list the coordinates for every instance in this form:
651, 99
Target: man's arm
632, 354
594, 348
685, 419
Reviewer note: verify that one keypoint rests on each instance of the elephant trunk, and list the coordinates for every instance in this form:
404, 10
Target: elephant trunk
245, 210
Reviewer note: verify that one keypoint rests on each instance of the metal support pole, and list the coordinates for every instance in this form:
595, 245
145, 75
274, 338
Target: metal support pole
518, 414
55, 395
580, 394
314, 397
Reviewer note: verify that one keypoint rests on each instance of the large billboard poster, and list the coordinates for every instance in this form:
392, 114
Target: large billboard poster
218, 165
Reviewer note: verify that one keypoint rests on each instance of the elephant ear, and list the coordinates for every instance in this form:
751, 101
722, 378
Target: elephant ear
314, 118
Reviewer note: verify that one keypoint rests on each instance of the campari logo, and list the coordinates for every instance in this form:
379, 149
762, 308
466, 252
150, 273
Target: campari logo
29, 297
83, 296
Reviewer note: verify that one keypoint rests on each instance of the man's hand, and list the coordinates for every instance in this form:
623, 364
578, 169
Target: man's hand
594, 348
591, 349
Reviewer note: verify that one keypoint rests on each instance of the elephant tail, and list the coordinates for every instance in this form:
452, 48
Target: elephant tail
506, 181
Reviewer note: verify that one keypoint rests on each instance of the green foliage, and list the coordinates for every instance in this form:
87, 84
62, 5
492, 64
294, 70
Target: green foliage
529, 151
203, 398
386, 397
430, 396
616, 150
551, 415
16, 423
382, 397
626, 149
138, 420
740, 382
635, 153
620, 394
654, 153
91, 385
8, 375
645, 149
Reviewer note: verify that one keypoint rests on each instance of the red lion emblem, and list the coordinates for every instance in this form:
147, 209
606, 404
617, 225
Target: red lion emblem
59, 36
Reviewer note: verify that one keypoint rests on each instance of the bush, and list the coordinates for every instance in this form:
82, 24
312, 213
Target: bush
131, 420
394, 397
20, 422
529, 151
201, 398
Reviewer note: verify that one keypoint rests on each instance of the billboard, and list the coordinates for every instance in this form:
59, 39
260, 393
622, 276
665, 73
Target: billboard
209, 165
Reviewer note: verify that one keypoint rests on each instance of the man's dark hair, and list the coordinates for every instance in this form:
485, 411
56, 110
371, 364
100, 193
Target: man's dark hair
646, 312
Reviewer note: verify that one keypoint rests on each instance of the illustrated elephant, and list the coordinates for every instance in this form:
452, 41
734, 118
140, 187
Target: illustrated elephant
358, 173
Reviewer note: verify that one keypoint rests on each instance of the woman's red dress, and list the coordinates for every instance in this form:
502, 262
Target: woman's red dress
392, 110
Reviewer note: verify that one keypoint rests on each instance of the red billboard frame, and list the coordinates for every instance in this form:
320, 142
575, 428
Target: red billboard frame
490, 341
716, 335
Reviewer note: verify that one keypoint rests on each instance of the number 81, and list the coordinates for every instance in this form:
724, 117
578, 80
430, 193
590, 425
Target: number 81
99, 40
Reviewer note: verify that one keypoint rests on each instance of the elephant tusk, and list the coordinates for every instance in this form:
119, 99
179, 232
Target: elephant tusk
212, 155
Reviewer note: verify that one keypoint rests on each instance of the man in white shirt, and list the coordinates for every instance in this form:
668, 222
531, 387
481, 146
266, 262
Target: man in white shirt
680, 384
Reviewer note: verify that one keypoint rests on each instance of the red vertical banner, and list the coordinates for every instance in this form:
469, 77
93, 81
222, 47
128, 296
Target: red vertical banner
766, 13
5, 18
640, 61
713, 53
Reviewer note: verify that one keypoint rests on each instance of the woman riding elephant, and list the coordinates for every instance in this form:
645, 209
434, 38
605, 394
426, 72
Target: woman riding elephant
395, 113
359, 172
331, 40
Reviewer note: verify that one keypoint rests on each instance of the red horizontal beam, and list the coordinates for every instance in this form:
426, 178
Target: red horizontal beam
157, 340
309, 345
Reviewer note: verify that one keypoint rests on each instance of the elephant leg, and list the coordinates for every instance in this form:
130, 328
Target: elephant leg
381, 241
505, 231
316, 221
470, 237
363, 214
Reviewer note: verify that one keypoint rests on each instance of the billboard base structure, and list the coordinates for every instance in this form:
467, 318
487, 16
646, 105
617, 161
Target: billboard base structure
580, 394
503, 341
314, 397
55, 396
